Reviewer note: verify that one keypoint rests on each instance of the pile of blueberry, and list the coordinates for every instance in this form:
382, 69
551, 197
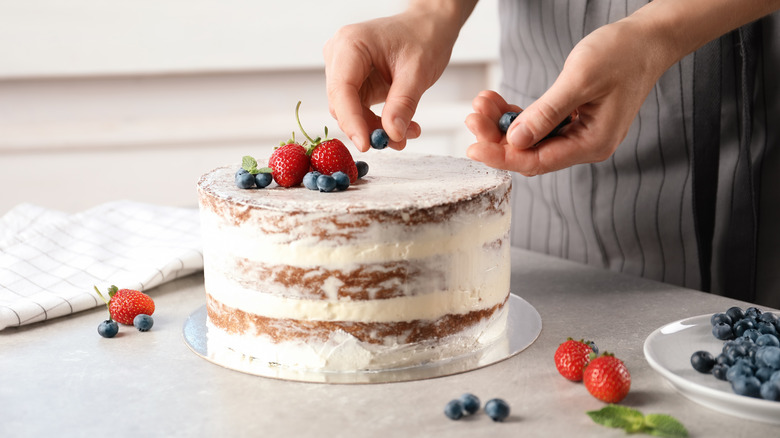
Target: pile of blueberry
246, 180
497, 409
750, 358
326, 183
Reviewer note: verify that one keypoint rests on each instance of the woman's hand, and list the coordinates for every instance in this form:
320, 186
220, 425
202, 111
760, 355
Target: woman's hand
604, 81
393, 60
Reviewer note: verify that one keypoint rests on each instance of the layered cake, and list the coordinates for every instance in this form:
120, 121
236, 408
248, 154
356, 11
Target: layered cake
409, 265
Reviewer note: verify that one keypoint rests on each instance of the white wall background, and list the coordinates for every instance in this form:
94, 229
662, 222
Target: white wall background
135, 99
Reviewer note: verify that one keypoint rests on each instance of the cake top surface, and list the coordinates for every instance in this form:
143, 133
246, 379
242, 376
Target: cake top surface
395, 181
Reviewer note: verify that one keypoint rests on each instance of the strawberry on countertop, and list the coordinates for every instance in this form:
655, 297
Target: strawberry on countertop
571, 357
125, 304
607, 378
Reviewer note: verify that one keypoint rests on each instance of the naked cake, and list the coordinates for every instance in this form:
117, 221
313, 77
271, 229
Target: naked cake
409, 265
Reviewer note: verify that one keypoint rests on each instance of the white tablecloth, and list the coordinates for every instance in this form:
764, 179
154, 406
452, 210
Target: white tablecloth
50, 261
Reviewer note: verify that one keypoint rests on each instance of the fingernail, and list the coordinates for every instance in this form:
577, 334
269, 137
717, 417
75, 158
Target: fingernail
400, 126
519, 135
356, 141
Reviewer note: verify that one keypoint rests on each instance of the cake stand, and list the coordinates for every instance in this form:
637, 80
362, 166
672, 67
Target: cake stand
523, 327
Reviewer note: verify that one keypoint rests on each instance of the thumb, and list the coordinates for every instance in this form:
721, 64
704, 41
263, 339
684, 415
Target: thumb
538, 120
400, 106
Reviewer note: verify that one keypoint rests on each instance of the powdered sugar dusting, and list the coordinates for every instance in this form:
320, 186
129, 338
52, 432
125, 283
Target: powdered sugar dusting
395, 181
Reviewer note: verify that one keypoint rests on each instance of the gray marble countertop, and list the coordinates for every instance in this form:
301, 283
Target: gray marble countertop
60, 378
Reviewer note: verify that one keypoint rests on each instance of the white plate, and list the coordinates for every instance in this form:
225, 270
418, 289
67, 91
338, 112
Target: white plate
668, 350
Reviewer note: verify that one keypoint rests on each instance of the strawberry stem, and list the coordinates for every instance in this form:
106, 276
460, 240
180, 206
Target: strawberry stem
110, 295
298, 119
314, 142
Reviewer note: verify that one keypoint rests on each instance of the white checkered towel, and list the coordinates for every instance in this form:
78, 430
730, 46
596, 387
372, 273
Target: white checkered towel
50, 261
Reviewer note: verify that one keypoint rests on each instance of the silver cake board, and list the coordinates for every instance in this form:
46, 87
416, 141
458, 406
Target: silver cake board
523, 327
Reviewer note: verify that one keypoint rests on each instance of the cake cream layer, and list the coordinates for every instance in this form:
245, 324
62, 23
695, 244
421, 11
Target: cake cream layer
374, 242
334, 349
465, 269
460, 254
493, 289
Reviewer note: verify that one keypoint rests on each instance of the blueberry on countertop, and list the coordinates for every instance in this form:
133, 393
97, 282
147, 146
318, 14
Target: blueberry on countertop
454, 410
497, 409
108, 328
143, 322
470, 403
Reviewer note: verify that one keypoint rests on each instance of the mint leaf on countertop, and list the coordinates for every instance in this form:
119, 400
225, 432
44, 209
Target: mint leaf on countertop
619, 417
633, 421
665, 425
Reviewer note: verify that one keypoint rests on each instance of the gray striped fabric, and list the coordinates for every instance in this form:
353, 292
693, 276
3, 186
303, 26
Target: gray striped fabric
633, 213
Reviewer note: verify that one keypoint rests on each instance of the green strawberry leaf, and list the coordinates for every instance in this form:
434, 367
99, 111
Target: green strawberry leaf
665, 426
265, 170
620, 417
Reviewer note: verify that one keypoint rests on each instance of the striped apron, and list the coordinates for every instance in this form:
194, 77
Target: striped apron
691, 195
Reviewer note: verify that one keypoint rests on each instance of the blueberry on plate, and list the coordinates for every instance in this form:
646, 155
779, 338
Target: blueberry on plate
108, 328
703, 361
747, 385
470, 403
768, 355
379, 139
767, 339
719, 371
497, 409
735, 313
720, 317
770, 390
742, 325
722, 331
454, 410
143, 322
764, 373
